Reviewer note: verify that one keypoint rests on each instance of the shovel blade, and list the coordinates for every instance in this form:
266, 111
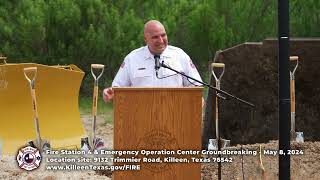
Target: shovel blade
213, 144
44, 145
297, 137
97, 145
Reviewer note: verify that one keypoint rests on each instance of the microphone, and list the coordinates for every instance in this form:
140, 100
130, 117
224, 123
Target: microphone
157, 62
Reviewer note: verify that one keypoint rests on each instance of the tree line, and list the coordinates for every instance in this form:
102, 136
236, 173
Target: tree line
83, 32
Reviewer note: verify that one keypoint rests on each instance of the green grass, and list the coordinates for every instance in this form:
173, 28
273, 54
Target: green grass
104, 109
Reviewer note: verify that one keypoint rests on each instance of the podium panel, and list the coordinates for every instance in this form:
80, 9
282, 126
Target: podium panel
159, 119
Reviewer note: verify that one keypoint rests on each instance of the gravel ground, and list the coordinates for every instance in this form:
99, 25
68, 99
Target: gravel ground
303, 166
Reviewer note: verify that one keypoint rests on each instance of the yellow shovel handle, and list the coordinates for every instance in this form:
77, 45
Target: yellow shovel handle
221, 65
97, 66
261, 162
34, 103
217, 118
292, 95
294, 58
30, 69
95, 100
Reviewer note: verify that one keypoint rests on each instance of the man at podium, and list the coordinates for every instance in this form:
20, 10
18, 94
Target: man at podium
140, 67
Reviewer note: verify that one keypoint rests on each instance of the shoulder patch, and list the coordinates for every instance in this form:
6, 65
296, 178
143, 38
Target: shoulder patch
191, 64
122, 65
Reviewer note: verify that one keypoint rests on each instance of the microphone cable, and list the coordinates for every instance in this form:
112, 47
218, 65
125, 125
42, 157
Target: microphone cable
251, 112
163, 77
241, 147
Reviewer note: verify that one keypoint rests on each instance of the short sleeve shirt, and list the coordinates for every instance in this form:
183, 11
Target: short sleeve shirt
138, 69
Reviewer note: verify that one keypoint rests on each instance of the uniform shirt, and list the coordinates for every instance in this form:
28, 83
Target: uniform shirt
138, 69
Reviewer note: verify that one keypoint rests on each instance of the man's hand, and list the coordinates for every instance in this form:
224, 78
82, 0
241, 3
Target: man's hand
107, 94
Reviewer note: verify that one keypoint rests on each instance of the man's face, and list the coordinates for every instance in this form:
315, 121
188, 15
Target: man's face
156, 38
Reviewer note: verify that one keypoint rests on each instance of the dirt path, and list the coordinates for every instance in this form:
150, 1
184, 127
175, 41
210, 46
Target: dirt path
104, 130
304, 166
9, 167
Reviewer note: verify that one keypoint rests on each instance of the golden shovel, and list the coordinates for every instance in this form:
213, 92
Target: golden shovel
39, 143
92, 142
213, 143
295, 136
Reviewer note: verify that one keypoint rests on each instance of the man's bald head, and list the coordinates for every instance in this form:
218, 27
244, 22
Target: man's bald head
155, 36
151, 25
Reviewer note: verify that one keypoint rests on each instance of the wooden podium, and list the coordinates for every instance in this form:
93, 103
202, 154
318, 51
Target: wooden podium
165, 119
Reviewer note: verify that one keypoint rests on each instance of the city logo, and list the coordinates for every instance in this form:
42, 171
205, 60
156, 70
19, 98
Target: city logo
157, 139
29, 158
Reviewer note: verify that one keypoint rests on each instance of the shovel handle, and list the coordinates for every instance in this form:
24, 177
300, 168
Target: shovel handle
294, 58
34, 103
3, 59
292, 83
218, 65
217, 118
221, 65
27, 70
30, 69
292, 95
95, 100
97, 66
261, 162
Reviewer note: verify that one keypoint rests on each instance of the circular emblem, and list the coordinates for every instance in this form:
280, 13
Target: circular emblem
157, 140
29, 158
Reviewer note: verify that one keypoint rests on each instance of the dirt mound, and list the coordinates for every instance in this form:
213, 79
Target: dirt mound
252, 74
